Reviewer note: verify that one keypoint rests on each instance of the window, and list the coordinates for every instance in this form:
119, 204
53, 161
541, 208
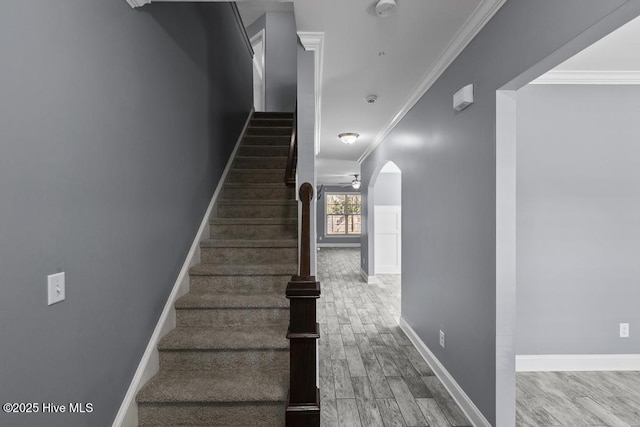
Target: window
343, 214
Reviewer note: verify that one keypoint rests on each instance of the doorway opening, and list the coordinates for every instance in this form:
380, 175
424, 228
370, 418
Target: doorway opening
257, 43
566, 234
387, 221
384, 207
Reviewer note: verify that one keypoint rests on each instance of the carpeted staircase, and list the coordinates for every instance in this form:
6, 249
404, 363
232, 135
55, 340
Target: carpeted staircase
227, 361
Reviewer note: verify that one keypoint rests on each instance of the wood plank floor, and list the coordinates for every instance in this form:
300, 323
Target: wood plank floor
578, 399
370, 373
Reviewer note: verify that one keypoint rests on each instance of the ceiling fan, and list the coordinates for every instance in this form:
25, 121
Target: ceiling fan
356, 183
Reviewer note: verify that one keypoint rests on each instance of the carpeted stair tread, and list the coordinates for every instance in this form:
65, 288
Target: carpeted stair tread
216, 387
272, 114
255, 185
247, 243
279, 171
208, 300
240, 202
229, 338
243, 269
252, 221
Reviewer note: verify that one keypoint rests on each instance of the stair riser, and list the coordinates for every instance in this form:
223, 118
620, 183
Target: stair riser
240, 414
273, 115
260, 163
239, 284
256, 211
232, 317
249, 255
256, 176
264, 150
283, 193
280, 141
279, 131
283, 231
271, 122
224, 361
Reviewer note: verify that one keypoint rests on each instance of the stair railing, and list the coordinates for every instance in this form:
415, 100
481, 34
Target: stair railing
292, 158
303, 403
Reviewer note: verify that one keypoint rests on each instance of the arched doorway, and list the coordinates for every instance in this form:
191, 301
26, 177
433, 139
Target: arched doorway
387, 220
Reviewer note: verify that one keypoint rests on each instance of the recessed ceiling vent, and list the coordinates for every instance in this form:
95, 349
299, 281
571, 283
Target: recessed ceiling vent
385, 8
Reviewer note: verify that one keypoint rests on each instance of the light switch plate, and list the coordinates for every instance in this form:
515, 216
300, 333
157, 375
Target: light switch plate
55, 288
441, 339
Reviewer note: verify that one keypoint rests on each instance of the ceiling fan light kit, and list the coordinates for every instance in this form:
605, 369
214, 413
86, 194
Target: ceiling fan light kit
348, 137
356, 183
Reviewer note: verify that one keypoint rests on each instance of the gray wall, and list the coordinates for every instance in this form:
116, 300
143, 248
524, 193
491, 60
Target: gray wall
305, 133
387, 189
321, 220
448, 185
115, 126
578, 204
281, 43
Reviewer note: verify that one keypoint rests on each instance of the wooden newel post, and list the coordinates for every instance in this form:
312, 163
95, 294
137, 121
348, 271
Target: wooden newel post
303, 406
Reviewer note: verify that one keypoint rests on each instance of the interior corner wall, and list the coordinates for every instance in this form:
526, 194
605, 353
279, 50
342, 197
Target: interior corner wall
306, 119
321, 215
281, 43
448, 163
115, 127
578, 204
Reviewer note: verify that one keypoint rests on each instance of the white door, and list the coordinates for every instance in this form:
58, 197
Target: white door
388, 236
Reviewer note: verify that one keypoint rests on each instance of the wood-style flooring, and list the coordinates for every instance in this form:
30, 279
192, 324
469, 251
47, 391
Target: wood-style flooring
370, 373
578, 399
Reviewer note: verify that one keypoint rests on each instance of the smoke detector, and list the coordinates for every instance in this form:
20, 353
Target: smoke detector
371, 99
385, 8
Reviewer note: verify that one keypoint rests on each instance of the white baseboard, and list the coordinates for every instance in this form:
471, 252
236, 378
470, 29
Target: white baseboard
577, 362
149, 365
366, 277
464, 402
338, 245
388, 269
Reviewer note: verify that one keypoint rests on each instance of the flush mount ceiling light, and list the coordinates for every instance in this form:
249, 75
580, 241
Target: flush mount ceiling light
348, 137
385, 8
356, 183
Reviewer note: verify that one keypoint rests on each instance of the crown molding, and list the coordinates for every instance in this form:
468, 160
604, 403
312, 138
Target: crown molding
483, 13
314, 41
137, 3
565, 77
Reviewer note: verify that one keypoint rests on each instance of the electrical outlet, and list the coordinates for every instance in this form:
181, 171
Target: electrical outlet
55, 288
441, 339
624, 330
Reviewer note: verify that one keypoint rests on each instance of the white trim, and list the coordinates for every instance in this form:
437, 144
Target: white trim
138, 3
149, 365
241, 27
566, 77
464, 402
338, 245
314, 41
577, 362
483, 13
366, 277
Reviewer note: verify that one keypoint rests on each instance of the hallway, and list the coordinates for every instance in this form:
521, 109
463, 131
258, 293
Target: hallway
370, 373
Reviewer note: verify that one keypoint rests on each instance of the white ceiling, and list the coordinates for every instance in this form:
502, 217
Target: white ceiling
363, 54
252, 10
